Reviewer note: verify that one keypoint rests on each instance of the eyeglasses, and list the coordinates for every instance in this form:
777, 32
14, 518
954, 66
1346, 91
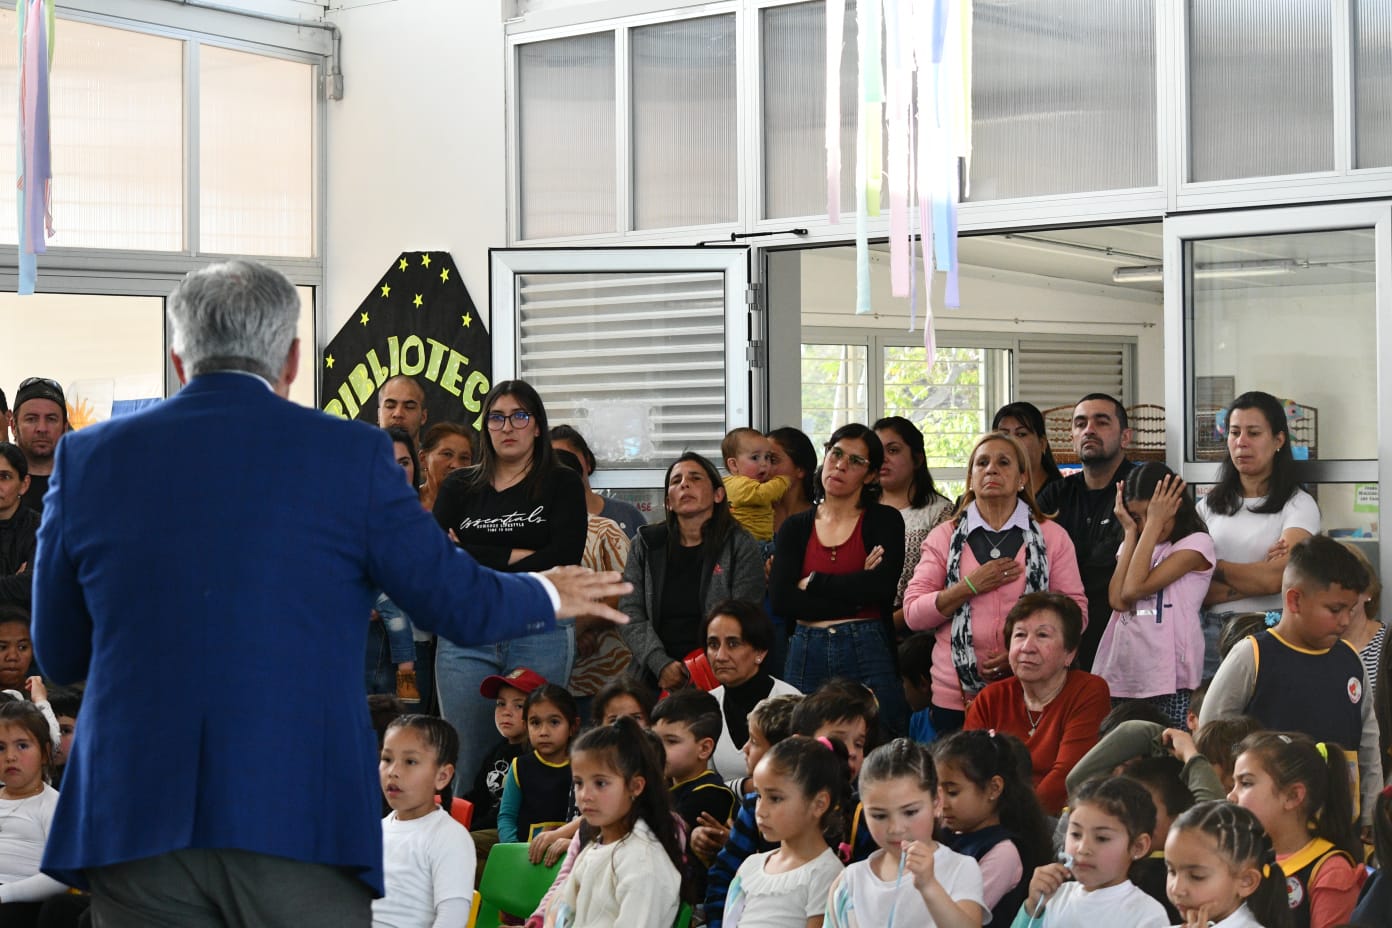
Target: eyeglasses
837, 456
519, 420
30, 381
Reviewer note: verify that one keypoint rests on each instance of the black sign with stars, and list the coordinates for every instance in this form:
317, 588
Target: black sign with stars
420, 321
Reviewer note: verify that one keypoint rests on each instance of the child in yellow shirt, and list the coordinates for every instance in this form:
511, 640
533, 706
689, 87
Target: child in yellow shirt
750, 489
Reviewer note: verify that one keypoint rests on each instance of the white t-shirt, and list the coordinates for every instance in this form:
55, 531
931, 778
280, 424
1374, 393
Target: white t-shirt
1122, 904
872, 898
425, 861
1245, 536
780, 900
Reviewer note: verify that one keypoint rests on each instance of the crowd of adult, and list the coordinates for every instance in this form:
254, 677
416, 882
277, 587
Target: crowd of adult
1022, 599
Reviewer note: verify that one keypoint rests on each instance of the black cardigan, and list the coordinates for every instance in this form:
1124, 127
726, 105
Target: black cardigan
837, 596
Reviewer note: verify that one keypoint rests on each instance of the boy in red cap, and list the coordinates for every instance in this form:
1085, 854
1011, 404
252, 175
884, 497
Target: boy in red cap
510, 716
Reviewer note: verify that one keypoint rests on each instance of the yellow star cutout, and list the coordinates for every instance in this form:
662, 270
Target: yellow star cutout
328, 362
363, 317
444, 275
401, 264
466, 319
386, 289
417, 301
425, 260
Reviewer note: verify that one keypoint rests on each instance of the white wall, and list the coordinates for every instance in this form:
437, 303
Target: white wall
998, 302
415, 147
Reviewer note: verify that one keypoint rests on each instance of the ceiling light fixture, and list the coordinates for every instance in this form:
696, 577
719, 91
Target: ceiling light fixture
1155, 273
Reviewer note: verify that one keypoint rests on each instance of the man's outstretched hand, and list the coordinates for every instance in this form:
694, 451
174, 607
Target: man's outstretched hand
584, 591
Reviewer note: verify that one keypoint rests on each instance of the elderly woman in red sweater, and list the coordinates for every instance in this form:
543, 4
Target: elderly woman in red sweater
1055, 711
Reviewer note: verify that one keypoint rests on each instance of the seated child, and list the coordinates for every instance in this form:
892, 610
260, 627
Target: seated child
839, 709
990, 813
1161, 778
1300, 675
801, 782
1218, 741
428, 859
688, 722
1109, 826
509, 693
16, 647
911, 879
66, 702
749, 488
915, 667
1375, 904
624, 696
1222, 870
537, 790
628, 870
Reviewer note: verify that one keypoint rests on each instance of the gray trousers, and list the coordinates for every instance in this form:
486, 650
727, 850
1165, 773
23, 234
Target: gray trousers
202, 888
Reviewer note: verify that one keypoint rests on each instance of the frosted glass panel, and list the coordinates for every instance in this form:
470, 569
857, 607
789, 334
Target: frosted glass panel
1372, 92
794, 95
1250, 305
1260, 88
565, 135
1063, 97
684, 125
257, 154
117, 128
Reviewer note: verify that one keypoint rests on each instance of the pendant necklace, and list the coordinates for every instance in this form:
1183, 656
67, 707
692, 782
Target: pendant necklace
995, 542
1043, 707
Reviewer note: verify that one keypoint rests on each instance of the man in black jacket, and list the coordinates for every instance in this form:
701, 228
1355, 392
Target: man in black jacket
1084, 503
19, 527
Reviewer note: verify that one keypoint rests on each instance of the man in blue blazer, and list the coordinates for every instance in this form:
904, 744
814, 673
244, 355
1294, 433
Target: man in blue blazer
208, 566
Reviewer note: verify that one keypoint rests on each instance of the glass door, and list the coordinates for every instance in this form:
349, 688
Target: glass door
1293, 302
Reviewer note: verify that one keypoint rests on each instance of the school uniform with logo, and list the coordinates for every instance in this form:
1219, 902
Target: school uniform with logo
1322, 884
545, 795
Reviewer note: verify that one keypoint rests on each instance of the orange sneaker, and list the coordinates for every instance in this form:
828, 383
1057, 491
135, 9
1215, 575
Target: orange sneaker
406, 689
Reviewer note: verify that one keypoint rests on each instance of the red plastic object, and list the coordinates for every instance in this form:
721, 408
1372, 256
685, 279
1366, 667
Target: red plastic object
699, 669
462, 810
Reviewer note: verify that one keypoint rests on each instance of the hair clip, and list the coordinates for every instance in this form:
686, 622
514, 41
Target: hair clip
1273, 618
1284, 739
826, 742
1324, 751
991, 732
1266, 871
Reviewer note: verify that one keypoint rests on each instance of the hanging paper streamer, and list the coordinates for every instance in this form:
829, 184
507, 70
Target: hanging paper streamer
919, 97
35, 170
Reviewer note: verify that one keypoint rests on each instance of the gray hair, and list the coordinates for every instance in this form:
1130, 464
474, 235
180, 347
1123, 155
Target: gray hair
238, 315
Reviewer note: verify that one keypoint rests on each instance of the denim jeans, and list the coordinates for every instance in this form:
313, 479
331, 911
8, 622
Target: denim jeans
1212, 623
398, 627
460, 671
859, 651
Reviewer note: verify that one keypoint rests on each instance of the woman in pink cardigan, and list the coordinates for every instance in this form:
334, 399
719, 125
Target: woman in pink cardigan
997, 547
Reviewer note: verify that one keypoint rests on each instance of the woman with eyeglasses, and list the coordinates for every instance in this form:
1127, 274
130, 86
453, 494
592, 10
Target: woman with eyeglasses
996, 547
835, 570
518, 509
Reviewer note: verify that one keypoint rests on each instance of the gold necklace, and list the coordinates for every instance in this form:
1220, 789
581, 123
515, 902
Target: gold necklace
1043, 705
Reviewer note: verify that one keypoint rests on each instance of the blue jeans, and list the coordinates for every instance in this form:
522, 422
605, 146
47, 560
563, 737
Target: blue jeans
398, 628
1212, 623
460, 671
859, 651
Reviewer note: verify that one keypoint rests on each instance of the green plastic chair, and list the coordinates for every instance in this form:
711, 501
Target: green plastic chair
511, 883
683, 916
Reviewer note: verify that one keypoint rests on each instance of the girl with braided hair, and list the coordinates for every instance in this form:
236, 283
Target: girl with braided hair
1222, 869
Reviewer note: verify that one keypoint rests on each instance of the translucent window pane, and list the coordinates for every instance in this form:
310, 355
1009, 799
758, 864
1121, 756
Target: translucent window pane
635, 361
1249, 324
106, 351
566, 136
1372, 91
1261, 95
302, 389
684, 126
116, 109
948, 402
794, 98
256, 170
833, 388
1063, 97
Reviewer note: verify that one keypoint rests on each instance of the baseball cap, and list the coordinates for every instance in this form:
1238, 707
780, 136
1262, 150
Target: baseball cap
519, 678
41, 388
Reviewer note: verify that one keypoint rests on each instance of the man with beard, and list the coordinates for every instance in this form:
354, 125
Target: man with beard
1084, 504
40, 419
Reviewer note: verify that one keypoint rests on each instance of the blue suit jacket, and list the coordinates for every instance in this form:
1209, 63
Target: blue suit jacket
208, 565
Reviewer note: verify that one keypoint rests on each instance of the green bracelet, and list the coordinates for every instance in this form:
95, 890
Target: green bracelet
967, 581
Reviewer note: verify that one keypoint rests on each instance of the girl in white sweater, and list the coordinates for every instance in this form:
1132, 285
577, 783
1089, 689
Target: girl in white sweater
27, 802
629, 869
